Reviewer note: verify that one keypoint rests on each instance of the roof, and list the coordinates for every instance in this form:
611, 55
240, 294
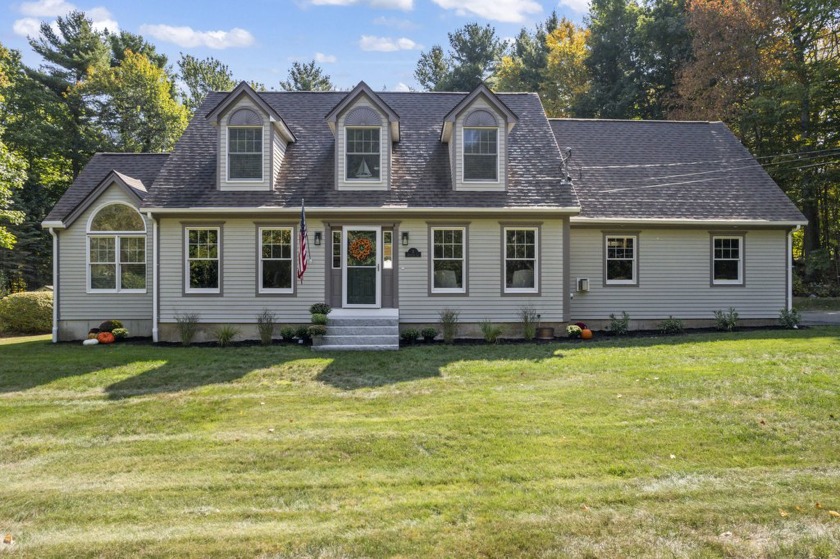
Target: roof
633, 169
137, 170
420, 176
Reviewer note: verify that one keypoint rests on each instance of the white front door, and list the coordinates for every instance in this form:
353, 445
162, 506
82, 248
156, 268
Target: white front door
361, 263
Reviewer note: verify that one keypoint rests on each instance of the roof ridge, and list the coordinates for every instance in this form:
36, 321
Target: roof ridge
131, 154
651, 121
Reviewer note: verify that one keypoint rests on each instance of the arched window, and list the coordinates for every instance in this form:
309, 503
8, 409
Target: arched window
245, 146
481, 137
117, 250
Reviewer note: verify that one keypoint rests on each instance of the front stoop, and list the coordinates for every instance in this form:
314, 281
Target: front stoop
360, 330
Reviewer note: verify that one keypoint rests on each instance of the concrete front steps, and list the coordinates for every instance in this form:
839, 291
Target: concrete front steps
360, 329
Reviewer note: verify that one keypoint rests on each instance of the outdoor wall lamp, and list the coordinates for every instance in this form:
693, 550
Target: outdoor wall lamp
405, 238
317, 238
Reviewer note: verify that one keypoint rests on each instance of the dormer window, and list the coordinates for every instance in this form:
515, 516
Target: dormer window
245, 146
481, 147
363, 150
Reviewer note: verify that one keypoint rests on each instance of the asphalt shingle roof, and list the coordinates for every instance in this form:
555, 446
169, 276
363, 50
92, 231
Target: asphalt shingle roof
139, 168
668, 170
420, 175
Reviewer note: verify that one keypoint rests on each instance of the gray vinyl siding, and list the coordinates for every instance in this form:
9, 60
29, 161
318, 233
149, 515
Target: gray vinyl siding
458, 152
74, 301
484, 252
238, 302
384, 146
265, 183
674, 276
279, 147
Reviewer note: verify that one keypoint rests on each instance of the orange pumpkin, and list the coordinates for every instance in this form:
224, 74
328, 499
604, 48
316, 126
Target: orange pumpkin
586, 334
105, 338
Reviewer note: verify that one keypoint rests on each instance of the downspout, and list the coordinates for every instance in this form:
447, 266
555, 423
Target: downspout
790, 267
155, 294
54, 236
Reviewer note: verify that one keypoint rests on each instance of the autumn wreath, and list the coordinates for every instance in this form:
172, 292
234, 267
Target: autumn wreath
361, 248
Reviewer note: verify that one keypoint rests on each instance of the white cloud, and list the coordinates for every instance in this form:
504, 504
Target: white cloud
386, 44
395, 23
386, 4
325, 58
188, 37
27, 27
580, 6
46, 8
508, 11
103, 20
401, 87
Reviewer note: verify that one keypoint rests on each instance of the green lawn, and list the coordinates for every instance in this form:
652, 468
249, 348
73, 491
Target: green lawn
695, 446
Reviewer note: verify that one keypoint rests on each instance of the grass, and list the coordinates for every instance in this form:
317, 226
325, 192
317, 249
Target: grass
706, 445
817, 303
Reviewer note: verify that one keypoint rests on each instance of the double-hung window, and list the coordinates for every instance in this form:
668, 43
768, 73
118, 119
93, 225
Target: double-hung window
448, 262
727, 260
481, 160
363, 154
245, 153
117, 250
621, 266
203, 259
521, 260
276, 260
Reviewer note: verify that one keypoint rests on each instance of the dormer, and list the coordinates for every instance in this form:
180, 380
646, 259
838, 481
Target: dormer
365, 128
477, 132
252, 141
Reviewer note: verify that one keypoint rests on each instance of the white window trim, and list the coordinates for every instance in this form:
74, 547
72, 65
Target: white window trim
260, 260
262, 155
116, 235
740, 280
444, 290
635, 278
202, 290
353, 181
464, 155
536, 288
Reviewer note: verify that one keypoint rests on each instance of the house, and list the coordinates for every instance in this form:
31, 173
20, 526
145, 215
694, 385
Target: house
416, 202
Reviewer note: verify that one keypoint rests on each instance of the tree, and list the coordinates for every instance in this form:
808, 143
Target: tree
472, 58
12, 168
134, 105
307, 76
201, 77
123, 41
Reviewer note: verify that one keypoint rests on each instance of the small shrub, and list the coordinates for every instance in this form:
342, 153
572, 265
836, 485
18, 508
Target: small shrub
726, 321
429, 334
266, 321
449, 324
316, 330
789, 319
619, 326
490, 331
120, 333
225, 334
529, 318
671, 326
302, 333
574, 331
318, 318
287, 333
581, 325
320, 308
409, 336
187, 327
29, 312
110, 325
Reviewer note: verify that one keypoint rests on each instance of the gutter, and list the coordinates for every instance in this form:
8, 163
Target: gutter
363, 209
577, 220
55, 286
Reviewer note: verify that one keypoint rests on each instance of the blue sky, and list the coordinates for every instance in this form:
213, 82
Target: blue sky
378, 41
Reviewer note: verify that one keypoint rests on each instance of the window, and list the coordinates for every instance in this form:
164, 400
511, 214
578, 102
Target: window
245, 153
448, 269
521, 259
480, 158
363, 161
727, 261
620, 267
387, 250
203, 262
117, 250
336, 249
276, 260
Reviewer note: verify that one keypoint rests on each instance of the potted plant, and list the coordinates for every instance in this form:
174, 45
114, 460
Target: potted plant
429, 334
544, 332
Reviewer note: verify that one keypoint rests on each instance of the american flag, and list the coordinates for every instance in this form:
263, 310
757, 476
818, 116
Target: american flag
303, 253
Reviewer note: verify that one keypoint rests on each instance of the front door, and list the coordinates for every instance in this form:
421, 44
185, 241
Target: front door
362, 266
